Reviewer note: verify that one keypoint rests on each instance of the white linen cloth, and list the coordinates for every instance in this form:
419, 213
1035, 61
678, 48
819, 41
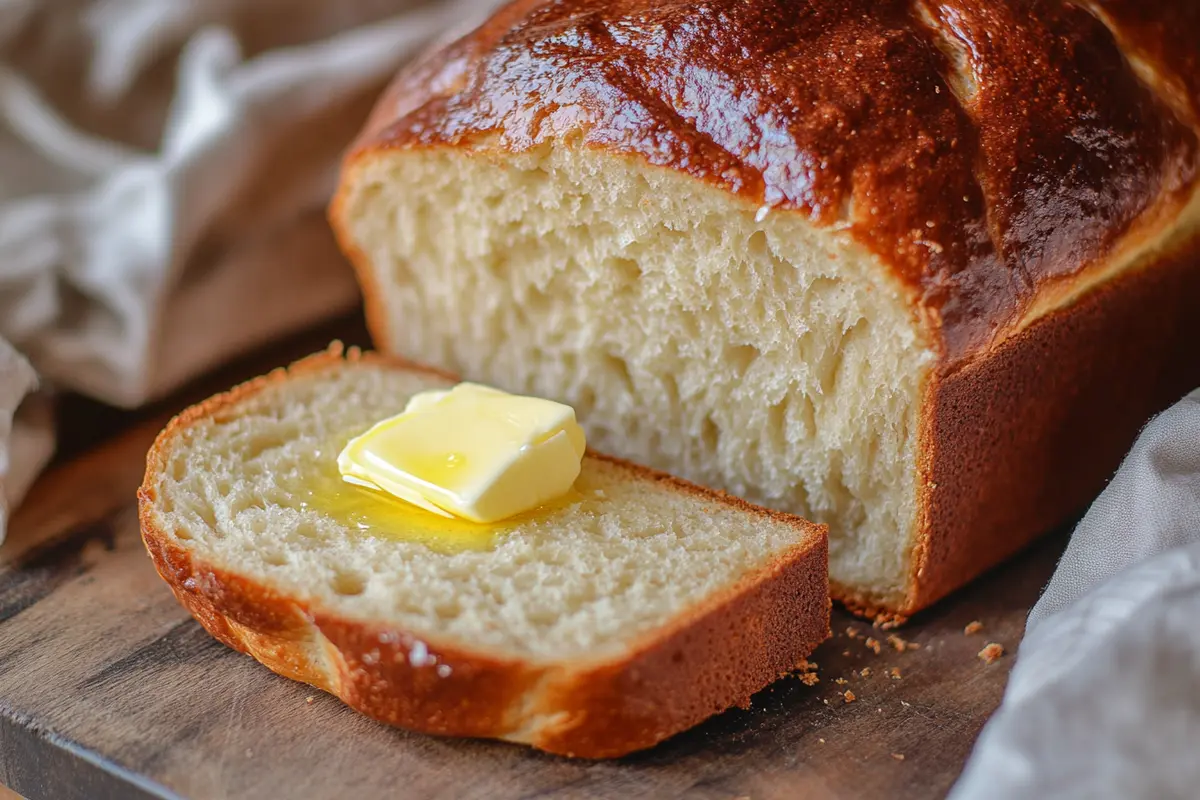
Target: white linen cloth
164, 166
1104, 699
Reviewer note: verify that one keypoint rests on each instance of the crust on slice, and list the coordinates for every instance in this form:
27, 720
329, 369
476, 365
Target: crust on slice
606, 702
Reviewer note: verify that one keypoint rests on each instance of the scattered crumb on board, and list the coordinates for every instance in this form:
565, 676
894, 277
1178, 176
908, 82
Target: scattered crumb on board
886, 622
866, 672
840, 681
900, 645
849, 696
309, 699
898, 756
973, 627
873, 645
991, 652
894, 672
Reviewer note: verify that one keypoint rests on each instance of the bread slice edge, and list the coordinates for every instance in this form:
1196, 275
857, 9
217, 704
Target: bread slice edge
706, 659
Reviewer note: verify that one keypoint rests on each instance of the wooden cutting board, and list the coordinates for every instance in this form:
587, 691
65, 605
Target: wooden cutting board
108, 689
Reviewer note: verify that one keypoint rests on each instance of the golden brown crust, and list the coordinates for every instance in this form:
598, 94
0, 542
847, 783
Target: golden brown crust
1015, 444
1162, 33
712, 657
985, 150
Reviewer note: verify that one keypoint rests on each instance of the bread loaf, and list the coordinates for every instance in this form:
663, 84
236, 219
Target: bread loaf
917, 269
604, 624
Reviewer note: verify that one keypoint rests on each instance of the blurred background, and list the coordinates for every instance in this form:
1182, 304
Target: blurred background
164, 171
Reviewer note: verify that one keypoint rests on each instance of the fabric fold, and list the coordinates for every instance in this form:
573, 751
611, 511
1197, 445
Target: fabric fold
25, 428
1102, 701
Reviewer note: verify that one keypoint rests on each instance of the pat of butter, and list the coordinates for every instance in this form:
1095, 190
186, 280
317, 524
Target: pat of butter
471, 452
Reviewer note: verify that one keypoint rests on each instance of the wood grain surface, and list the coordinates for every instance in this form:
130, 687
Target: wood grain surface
108, 689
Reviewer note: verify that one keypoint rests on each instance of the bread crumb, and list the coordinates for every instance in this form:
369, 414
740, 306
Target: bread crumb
898, 756
894, 672
873, 645
809, 678
849, 696
991, 652
825, 701
853, 634
846, 653
905, 704
973, 627
866, 671
309, 699
822, 741
886, 622
900, 645
840, 681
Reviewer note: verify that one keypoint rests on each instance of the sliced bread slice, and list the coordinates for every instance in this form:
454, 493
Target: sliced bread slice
635, 608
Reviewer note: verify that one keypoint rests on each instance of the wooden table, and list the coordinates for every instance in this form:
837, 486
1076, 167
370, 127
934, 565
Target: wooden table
108, 689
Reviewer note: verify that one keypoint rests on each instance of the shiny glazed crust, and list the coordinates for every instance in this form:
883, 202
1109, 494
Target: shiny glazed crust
1026, 168
993, 154
710, 658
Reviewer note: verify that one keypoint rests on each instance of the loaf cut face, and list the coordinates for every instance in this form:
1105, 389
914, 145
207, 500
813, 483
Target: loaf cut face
889, 264
659, 601
757, 356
